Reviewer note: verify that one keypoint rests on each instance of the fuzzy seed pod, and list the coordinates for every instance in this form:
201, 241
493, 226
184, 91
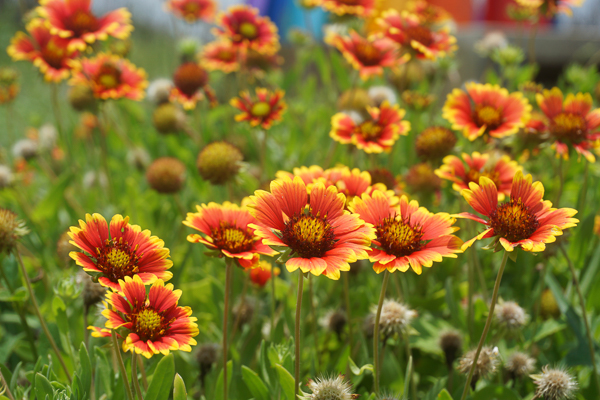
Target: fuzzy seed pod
93, 292
434, 143
554, 384
510, 316
26, 149
334, 321
519, 365
82, 98
159, 90
219, 162
166, 175
329, 389
487, 363
451, 344
11, 230
395, 318
168, 118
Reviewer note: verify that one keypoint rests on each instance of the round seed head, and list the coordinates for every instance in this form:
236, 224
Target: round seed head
555, 384
329, 389
219, 162
166, 175
487, 363
168, 118
11, 230
519, 364
451, 344
511, 316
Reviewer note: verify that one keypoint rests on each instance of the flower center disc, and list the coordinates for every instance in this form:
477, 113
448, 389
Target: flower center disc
81, 22
53, 54
117, 260
513, 221
248, 30
225, 55
473, 176
569, 126
308, 235
108, 76
419, 34
261, 109
367, 54
488, 116
148, 324
232, 239
398, 238
369, 130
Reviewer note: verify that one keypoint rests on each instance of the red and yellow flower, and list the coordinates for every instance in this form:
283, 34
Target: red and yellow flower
361, 8
263, 110
526, 220
220, 55
247, 30
428, 13
263, 273
413, 35
571, 122
74, 20
408, 236
116, 250
499, 170
486, 109
190, 84
353, 183
48, 52
193, 10
368, 55
373, 135
550, 8
110, 77
321, 237
152, 323
226, 231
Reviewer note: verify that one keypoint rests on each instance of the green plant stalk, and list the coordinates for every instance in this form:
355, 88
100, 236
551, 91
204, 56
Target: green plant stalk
134, 375
561, 181
143, 372
228, 278
272, 332
115, 343
588, 330
7, 389
376, 361
38, 313
581, 205
313, 317
297, 335
470, 313
488, 323
348, 312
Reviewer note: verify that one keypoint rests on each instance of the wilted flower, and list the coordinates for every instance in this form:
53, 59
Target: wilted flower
487, 363
166, 175
555, 384
395, 318
159, 90
519, 365
510, 315
435, 142
329, 389
379, 94
451, 342
219, 162
11, 230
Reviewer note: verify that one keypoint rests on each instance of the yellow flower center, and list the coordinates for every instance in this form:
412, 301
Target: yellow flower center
149, 324
367, 53
116, 259
473, 176
248, 30
569, 126
108, 77
419, 34
261, 109
489, 116
308, 235
81, 22
232, 239
369, 130
513, 221
53, 54
225, 55
398, 238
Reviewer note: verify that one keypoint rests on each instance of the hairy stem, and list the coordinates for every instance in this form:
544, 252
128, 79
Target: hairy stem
228, 278
115, 343
134, 375
297, 335
377, 363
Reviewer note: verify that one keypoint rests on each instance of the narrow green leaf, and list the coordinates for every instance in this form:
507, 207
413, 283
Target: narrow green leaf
408, 376
85, 373
43, 387
255, 384
286, 380
179, 391
219, 387
444, 395
162, 380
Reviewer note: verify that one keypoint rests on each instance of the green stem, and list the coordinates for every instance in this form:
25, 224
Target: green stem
134, 375
588, 330
470, 313
488, 323
143, 371
7, 389
313, 317
36, 308
115, 343
581, 205
377, 364
228, 278
263, 153
297, 336
348, 312
561, 181
272, 332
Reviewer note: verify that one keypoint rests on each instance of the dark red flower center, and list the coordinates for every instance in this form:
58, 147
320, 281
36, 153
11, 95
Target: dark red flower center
419, 34
189, 78
367, 53
309, 235
231, 238
81, 22
108, 76
369, 130
54, 54
398, 238
117, 259
513, 221
260, 109
149, 324
489, 116
569, 126
248, 30
473, 176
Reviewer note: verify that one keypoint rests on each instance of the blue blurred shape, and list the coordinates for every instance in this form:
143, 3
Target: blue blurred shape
288, 14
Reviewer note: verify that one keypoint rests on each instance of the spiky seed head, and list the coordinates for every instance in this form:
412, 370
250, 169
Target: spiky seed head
487, 363
519, 364
166, 175
11, 230
25, 148
451, 344
219, 162
93, 292
510, 315
334, 388
395, 318
554, 384
434, 143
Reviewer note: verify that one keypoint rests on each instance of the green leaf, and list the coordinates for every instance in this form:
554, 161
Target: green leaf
47, 209
496, 392
179, 391
359, 371
548, 328
444, 395
408, 376
162, 380
19, 295
43, 387
286, 380
219, 388
85, 369
255, 384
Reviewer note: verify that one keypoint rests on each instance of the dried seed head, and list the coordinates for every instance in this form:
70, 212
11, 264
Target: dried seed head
379, 94
554, 384
207, 357
510, 315
421, 179
487, 363
354, 99
329, 389
93, 292
219, 162
25, 148
81, 98
166, 175
6, 176
395, 318
168, 118
548, 305
519, 364
334, 321
139, 158
451, 344
47, 137
159, 90
11, 230
63, 248
243, 312
434, 143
